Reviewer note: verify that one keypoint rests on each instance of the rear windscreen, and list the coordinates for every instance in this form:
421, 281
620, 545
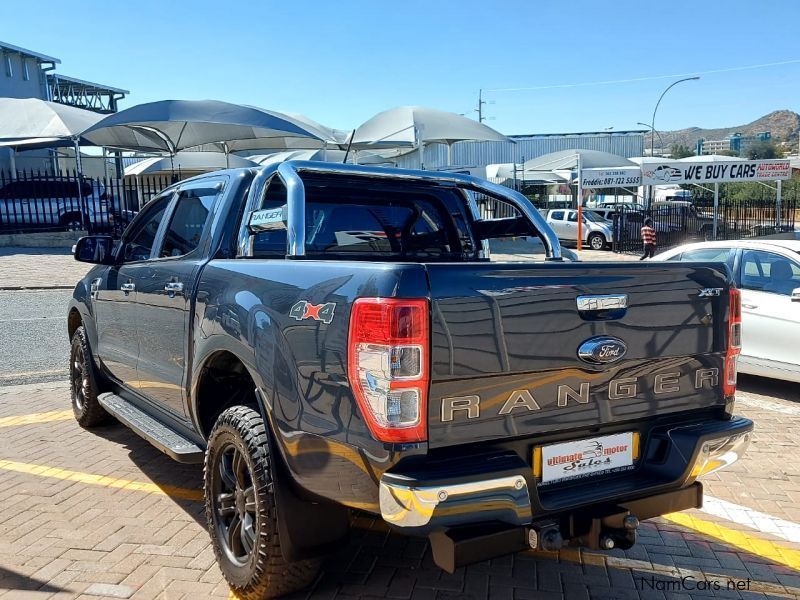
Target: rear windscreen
362, 217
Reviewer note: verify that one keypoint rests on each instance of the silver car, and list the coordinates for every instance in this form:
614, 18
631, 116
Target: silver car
597, 232
54, 202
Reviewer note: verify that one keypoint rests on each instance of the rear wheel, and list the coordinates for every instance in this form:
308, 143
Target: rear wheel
240, 510
84, 386
597, 241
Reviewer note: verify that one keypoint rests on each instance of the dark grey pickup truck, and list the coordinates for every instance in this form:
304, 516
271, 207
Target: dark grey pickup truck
335, 337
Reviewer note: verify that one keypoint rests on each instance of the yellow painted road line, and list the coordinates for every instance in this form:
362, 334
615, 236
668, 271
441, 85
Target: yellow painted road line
43, 417
102, 480
749, 543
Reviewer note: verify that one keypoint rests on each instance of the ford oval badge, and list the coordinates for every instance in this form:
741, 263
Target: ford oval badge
602, 349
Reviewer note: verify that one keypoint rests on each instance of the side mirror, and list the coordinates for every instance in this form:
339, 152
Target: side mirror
796, 295
95, 249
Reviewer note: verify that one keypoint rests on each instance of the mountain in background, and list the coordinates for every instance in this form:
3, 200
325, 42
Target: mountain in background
782, 124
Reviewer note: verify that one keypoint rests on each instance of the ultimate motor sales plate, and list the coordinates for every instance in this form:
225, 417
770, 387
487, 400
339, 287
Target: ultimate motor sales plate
591, 456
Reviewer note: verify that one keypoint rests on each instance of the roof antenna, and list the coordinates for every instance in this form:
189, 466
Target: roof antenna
349, 143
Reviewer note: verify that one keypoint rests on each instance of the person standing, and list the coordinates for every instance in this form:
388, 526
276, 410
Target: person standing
648, 239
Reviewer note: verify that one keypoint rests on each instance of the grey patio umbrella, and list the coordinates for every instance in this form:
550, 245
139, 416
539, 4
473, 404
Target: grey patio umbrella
414, 126
174, 125
27, 123
323, 138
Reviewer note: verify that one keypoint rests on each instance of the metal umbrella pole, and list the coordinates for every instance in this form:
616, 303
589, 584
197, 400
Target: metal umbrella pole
79, 167
580, 205
716, 208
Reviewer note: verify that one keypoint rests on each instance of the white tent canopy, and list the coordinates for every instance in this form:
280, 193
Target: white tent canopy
335, 156
187, 161
567, 160
415, 126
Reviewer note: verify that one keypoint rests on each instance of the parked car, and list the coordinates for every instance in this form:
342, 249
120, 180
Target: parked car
684, 216
768, 274
48, 202
597, 232
326, 337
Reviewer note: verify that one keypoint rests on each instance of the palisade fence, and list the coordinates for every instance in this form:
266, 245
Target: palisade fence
32, 201
683, 223
744, 211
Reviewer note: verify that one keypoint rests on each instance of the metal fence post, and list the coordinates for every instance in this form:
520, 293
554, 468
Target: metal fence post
716, 209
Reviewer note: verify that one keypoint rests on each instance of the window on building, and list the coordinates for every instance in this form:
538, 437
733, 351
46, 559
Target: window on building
26, 75
9, 67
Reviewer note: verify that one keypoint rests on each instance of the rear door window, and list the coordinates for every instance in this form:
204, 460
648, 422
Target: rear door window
557, 215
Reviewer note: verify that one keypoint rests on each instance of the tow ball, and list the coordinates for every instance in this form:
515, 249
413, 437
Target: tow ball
622, 538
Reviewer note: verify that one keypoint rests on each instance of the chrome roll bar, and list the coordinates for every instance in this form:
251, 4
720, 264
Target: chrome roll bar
289, 173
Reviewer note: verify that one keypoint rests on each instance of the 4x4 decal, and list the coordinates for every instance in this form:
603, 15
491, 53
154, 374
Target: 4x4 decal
318, 312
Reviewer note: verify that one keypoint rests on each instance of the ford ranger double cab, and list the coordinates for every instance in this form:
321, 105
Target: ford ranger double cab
335, 337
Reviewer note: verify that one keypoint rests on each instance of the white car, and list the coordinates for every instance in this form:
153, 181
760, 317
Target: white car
768, 274
48, 201
597, 232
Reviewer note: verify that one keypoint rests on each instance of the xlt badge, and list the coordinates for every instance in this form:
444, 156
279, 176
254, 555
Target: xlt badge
602, 349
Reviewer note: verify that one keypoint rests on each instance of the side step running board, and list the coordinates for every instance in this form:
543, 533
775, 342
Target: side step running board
169, 441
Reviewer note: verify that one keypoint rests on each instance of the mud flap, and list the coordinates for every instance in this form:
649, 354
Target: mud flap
306, 529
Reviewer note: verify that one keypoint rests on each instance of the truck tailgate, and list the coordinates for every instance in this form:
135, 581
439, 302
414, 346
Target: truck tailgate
505, 340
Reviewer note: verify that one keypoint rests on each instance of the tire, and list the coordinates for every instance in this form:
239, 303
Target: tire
83, 381
707, 233
596, 241
239, 496
72, 221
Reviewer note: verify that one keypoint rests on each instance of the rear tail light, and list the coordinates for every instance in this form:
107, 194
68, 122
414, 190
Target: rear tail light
734, 341
389, 365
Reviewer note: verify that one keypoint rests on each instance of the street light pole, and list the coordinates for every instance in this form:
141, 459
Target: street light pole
653, 122
652, 135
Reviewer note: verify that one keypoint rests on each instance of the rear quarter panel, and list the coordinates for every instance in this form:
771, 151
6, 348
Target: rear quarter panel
243, 306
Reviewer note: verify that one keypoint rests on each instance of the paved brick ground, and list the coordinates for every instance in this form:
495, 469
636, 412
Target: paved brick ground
39, 268
72, 525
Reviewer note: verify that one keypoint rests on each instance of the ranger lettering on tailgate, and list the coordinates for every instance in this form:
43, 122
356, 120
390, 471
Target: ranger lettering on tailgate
618, 389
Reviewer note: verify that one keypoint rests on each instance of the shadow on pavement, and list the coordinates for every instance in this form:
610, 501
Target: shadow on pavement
159, 468
379, 563
764, 386
13, 581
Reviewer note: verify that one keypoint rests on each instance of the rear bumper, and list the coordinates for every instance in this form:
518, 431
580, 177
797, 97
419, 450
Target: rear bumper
503, 490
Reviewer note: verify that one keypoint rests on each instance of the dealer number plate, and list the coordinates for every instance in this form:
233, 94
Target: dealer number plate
583, 458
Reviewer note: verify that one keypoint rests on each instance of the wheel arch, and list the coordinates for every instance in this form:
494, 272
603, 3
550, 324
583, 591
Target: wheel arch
222, 379
74, 320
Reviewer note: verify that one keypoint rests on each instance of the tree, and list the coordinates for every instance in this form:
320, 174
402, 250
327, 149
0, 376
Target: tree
681, 151
762, 149
729, 153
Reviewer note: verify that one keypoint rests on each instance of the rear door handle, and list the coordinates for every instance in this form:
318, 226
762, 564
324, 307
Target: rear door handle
127, 287
173, 287
751, 306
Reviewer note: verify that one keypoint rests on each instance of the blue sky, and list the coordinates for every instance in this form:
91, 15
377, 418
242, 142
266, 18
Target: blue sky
341, 62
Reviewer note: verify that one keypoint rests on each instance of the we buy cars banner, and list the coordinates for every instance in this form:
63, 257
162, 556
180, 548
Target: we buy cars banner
714, 172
